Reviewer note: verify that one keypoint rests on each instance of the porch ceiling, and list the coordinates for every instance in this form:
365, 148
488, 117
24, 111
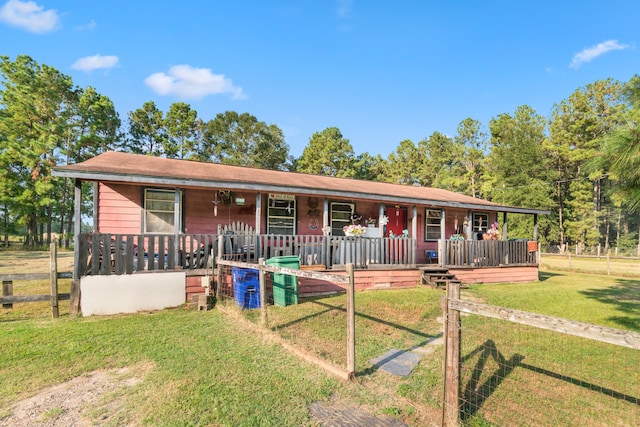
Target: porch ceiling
148, 170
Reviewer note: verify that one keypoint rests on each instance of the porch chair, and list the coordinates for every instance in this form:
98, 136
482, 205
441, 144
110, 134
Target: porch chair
239, 241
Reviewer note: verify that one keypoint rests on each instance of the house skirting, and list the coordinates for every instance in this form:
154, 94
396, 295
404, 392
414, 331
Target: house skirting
395, 278
503, 274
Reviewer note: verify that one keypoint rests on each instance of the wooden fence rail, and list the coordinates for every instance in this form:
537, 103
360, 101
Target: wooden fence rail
453, 306
8, 299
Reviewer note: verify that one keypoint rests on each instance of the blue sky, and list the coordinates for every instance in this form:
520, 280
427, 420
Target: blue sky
380, 71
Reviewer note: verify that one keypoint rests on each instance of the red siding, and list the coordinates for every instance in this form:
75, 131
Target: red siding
119, 209
194, 286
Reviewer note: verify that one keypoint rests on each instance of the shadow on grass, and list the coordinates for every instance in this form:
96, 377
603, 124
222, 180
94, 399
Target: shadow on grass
545, 275
476, 393
625, 296
328, 308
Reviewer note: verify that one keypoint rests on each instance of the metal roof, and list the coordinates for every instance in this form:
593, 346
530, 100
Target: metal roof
147, 170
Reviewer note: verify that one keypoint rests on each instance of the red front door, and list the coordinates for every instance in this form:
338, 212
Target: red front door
397, 221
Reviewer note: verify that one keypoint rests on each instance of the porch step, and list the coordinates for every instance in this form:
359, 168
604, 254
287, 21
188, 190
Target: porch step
438, 277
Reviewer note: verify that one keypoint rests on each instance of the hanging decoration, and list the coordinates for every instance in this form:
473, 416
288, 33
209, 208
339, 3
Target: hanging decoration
313, 213
355, 217
215, 205
226, 197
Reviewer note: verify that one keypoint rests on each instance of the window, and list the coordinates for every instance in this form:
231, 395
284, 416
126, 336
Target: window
159, 208
281, 214
432, 226
340, 216
480, 224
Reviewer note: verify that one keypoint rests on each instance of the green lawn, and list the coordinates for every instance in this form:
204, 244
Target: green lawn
615, 266
202, 369
546, 377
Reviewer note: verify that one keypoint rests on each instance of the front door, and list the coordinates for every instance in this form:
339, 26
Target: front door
397, 221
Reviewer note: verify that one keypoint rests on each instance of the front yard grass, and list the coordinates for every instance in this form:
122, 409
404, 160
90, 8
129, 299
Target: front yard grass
207, 371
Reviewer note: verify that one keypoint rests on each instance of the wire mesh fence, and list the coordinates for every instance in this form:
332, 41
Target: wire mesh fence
522, 369
520, 375
309, 311
604, 264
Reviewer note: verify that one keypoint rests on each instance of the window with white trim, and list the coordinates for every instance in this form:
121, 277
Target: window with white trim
159, 210
281, 214
433, 224
480, 224
340, 216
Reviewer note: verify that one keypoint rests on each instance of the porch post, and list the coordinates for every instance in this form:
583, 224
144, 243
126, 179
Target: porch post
414, 233
442, 243
381, 214
504, 226
177, 226
325, 213
258, 212
74, 298
95, 205
77, 225
469, 229
535, 227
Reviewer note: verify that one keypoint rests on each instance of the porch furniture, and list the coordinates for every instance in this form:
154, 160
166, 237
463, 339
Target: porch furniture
432, 256
239, 241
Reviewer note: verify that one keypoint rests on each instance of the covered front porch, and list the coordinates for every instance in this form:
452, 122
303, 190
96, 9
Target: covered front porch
105, 253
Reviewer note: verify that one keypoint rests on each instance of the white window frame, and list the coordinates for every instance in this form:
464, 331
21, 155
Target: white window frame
433, 225
479, 224
281, 214
163, 211
340, 217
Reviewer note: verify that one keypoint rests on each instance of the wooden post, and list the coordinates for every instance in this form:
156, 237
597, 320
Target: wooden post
74, 298
451, 404
351, 323
219, 275
608, 265
263, 294
7, 291
504, 226
53, 252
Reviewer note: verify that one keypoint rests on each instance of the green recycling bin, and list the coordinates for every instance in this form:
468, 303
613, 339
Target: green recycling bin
285, 286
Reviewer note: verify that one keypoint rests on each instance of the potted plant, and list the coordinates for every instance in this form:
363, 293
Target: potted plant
354, 230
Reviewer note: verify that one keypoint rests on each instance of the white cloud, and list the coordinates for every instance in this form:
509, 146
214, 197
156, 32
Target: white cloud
29, 16
188, 82
593, 52
95, 62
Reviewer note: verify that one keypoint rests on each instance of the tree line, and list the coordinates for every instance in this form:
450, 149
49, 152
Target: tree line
581, 163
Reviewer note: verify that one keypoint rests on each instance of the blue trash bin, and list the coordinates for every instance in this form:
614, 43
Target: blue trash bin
246, 287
